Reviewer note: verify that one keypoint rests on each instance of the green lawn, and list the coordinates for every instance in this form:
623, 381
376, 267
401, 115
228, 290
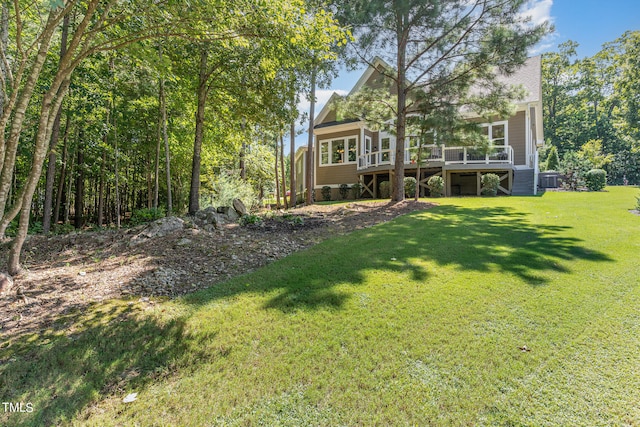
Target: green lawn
418, 321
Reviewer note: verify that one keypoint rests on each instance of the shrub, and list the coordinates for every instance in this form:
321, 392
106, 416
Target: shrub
228, 187
385, 189
574, 169
435, 184
356, 189
326, 193
344, 190
142, 216
553, 161
409, 186
595, 179
490, 183
250, 219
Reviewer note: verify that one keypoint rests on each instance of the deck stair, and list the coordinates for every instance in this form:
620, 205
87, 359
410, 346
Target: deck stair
522, 182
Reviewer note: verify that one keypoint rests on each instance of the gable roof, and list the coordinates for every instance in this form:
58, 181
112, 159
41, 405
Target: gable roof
375, 65
528, 75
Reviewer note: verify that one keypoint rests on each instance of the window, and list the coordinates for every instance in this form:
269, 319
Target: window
338, 151
353, 150
385, 146
496, 132
324, 153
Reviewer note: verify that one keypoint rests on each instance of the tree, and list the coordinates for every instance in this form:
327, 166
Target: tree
436, 44
553, 160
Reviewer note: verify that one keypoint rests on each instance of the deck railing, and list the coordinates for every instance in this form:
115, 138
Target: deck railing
502, 154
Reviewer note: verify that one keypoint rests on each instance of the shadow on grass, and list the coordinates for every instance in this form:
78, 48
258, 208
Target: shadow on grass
470, 239
114, 352
110, 351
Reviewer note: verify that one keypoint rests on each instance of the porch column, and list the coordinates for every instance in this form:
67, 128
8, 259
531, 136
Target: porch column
479, 183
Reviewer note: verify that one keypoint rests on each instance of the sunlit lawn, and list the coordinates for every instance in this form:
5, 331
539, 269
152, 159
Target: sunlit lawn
419, 321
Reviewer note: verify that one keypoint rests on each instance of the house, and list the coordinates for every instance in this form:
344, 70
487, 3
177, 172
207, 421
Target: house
348, 152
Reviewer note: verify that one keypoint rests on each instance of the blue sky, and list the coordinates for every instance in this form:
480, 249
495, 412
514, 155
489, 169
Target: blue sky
591, 23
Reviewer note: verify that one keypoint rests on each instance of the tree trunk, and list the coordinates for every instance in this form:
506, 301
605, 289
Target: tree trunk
9, 147
79, 201
277, 178
292, 166
418, 160
116, 171
156, 179
167, 154
55, 133
309, 162
398, 185
243, 151
62, 179
101, 187
51, 103
284, 176
68, 192
4, 39
194, 192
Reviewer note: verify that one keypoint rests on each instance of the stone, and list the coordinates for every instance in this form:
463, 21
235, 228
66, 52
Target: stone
233, 215
239, 207
184, 242
224, 210
159, 228
6, 283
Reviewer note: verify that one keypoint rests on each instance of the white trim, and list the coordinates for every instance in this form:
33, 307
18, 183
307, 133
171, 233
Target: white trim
527, 134
338, 128
325, 109
490, 133
330, 142
373, 67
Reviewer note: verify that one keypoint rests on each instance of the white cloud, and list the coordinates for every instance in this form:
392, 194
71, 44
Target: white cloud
539, 11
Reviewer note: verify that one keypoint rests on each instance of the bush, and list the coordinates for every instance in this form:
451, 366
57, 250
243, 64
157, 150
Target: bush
385, 189
344, 190
250, 219
142, 216
326, 193
574, 169
409, 186
356, 189
595, 179
490, 183
435, 184
553, 161
228, 187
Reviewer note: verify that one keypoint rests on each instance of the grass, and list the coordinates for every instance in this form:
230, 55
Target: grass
418, 321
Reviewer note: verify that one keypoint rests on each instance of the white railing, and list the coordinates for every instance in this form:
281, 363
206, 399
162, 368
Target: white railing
376, 158
473, 155
440, 153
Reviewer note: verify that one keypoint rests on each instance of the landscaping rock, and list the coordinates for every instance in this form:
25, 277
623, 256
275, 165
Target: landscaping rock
6, 283
233, 215
239, 207
209, 219
159, 228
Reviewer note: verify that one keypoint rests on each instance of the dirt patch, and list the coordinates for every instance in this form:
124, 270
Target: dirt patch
65, 274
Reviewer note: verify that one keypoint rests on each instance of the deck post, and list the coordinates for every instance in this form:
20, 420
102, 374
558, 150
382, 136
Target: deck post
479, 183
375, 185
